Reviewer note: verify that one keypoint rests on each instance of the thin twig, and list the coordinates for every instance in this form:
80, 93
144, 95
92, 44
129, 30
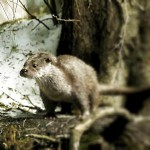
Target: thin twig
17, 103
34, 17
17, 4
52, 10
59, 19
4, 10
36, 107
64, 20
68, 20
44, 137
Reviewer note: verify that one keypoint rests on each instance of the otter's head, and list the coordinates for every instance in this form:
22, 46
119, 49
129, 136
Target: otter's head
36, 63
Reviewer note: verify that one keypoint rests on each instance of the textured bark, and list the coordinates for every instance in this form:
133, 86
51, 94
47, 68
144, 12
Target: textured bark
65, 45
112, 36
97, 39
97, 32
138, 57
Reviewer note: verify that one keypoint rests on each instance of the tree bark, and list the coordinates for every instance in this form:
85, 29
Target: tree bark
137, 46
98, 39
112, 36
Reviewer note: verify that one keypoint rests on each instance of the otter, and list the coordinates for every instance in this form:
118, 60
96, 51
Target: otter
63, 79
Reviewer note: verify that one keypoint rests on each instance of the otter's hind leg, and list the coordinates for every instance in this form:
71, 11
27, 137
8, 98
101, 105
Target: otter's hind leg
81, 101
93, 101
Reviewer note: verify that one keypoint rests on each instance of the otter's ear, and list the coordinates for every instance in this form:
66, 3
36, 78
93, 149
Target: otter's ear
47, 60
50, 59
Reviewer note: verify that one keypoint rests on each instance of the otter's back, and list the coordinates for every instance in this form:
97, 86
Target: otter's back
83, 74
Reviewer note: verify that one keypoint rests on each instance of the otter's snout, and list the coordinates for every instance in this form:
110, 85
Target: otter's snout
23, 72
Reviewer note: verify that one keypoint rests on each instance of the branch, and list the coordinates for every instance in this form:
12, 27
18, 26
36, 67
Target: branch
52, 10
20, 106
4, 10
117, 90
44, 137
83, 126
34, 17
63, 20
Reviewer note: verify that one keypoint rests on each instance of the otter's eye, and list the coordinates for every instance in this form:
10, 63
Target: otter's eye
34, 65
47, 60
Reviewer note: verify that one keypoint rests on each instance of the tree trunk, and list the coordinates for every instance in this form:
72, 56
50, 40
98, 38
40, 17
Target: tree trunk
98, 39
112, 36
137, 46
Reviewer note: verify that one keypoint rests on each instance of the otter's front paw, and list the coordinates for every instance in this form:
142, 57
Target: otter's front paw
50, 116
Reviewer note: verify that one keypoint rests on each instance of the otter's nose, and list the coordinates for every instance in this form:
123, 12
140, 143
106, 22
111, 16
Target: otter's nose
23, 72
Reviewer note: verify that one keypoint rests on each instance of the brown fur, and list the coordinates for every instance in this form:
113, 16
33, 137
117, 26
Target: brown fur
63, 79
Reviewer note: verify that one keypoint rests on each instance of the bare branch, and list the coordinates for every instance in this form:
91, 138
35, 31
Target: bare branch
34, 17
20, 106
118, 90
44, 137
64, 20
52, 9
4, 10
80, 128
